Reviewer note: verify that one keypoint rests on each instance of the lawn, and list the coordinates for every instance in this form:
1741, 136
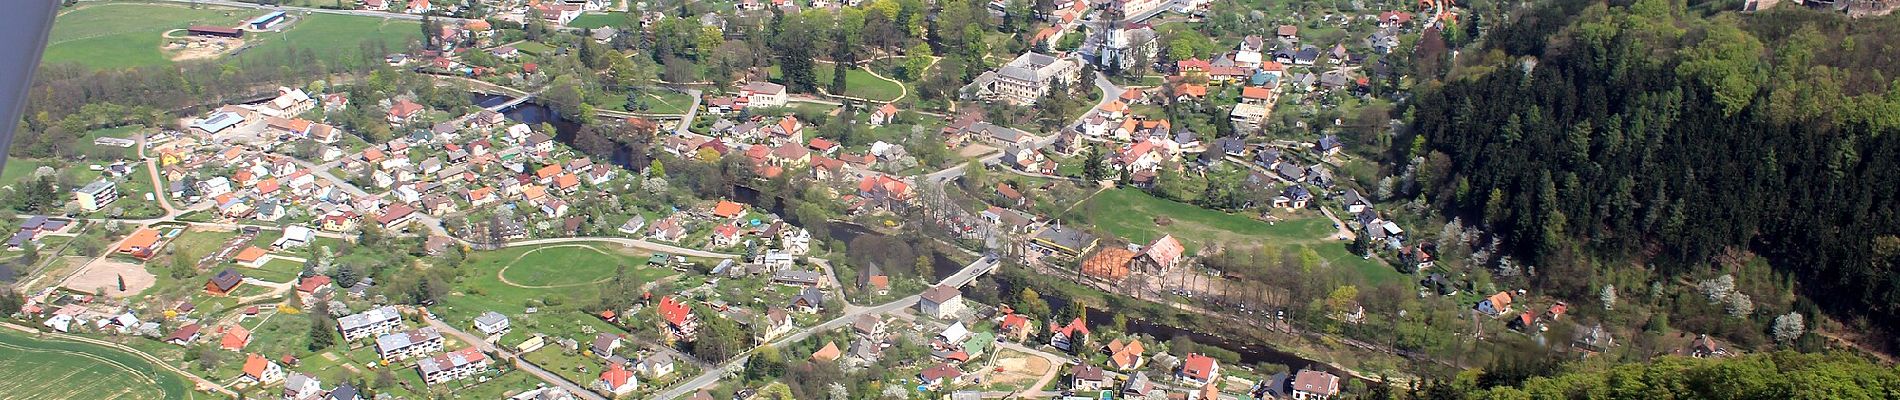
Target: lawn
597, 20
560, 311
535, 48
277, 270
123, 132
121, 35
331, 35
129, 34
857, 82
1130, 214
562, 266
657, 101
19, 168
46, 369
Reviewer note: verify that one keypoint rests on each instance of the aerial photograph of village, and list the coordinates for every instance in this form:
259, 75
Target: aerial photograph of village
954, 199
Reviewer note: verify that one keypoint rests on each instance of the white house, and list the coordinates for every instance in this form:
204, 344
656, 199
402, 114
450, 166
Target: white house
941, 301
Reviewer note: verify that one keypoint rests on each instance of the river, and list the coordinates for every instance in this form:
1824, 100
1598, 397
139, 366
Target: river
941, 264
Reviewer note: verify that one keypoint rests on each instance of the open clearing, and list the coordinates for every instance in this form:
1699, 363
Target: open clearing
562, 265
132, 34
44, 369
857, 83
1130, 214
121, 35
1018, 370
105, 274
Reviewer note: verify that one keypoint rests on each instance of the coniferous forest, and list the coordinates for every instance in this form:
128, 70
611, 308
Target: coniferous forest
1595, 137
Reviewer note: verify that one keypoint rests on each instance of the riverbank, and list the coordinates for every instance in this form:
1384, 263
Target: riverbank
1265, 340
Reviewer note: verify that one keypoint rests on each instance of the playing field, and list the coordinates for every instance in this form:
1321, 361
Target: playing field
129, 34
595, 20
44, 369
120, 35
329, 35
564, 265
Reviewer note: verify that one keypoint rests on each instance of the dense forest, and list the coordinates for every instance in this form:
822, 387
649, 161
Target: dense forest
1782, 375
1594, 139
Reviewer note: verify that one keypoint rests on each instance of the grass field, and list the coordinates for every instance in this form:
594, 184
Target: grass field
1130, 214
857, 83
47, 369
560, 310
120, 35
129, 34
330, 34
19, 168
658, 102
558, 266
595, 20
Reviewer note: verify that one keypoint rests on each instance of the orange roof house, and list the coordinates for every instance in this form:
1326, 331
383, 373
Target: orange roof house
727, 209
675, 312
1125, 356
235, 338
142, 244
250, 255
1110, 263
829, 353
548, 171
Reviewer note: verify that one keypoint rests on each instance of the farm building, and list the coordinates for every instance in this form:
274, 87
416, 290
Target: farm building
217, 31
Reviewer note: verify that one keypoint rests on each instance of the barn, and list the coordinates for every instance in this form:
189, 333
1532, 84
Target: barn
267, 21
217, 31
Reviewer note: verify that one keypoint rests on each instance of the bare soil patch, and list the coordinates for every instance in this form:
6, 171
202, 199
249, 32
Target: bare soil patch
105, 274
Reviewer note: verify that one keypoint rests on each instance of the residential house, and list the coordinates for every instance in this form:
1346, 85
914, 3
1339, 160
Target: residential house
299, 386
940, 374
404, 110
409, 344
941, 301
492, 324
763, 94
656, 365
1126, 356
1084, 377
222, 283
678, 316
1496, 304
1199, 369
452, 365
884, 115
605, 345
371, 322
260, 371
617, 380
807, 301
1314, 385
1070, 337
235, 338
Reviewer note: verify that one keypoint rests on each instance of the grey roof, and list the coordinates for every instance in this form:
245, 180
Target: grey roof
96, 187
941, 293
811, 296
398, 340
797, 276
367, 317
1071, 238
491, 318
1003, 133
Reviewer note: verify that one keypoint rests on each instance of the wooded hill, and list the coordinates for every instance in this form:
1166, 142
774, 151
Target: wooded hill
1594, 138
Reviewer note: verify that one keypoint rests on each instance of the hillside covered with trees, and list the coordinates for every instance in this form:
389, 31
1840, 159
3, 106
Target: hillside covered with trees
1647, 143
1782, 375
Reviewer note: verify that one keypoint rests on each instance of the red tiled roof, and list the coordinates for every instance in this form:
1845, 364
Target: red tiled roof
674, 311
